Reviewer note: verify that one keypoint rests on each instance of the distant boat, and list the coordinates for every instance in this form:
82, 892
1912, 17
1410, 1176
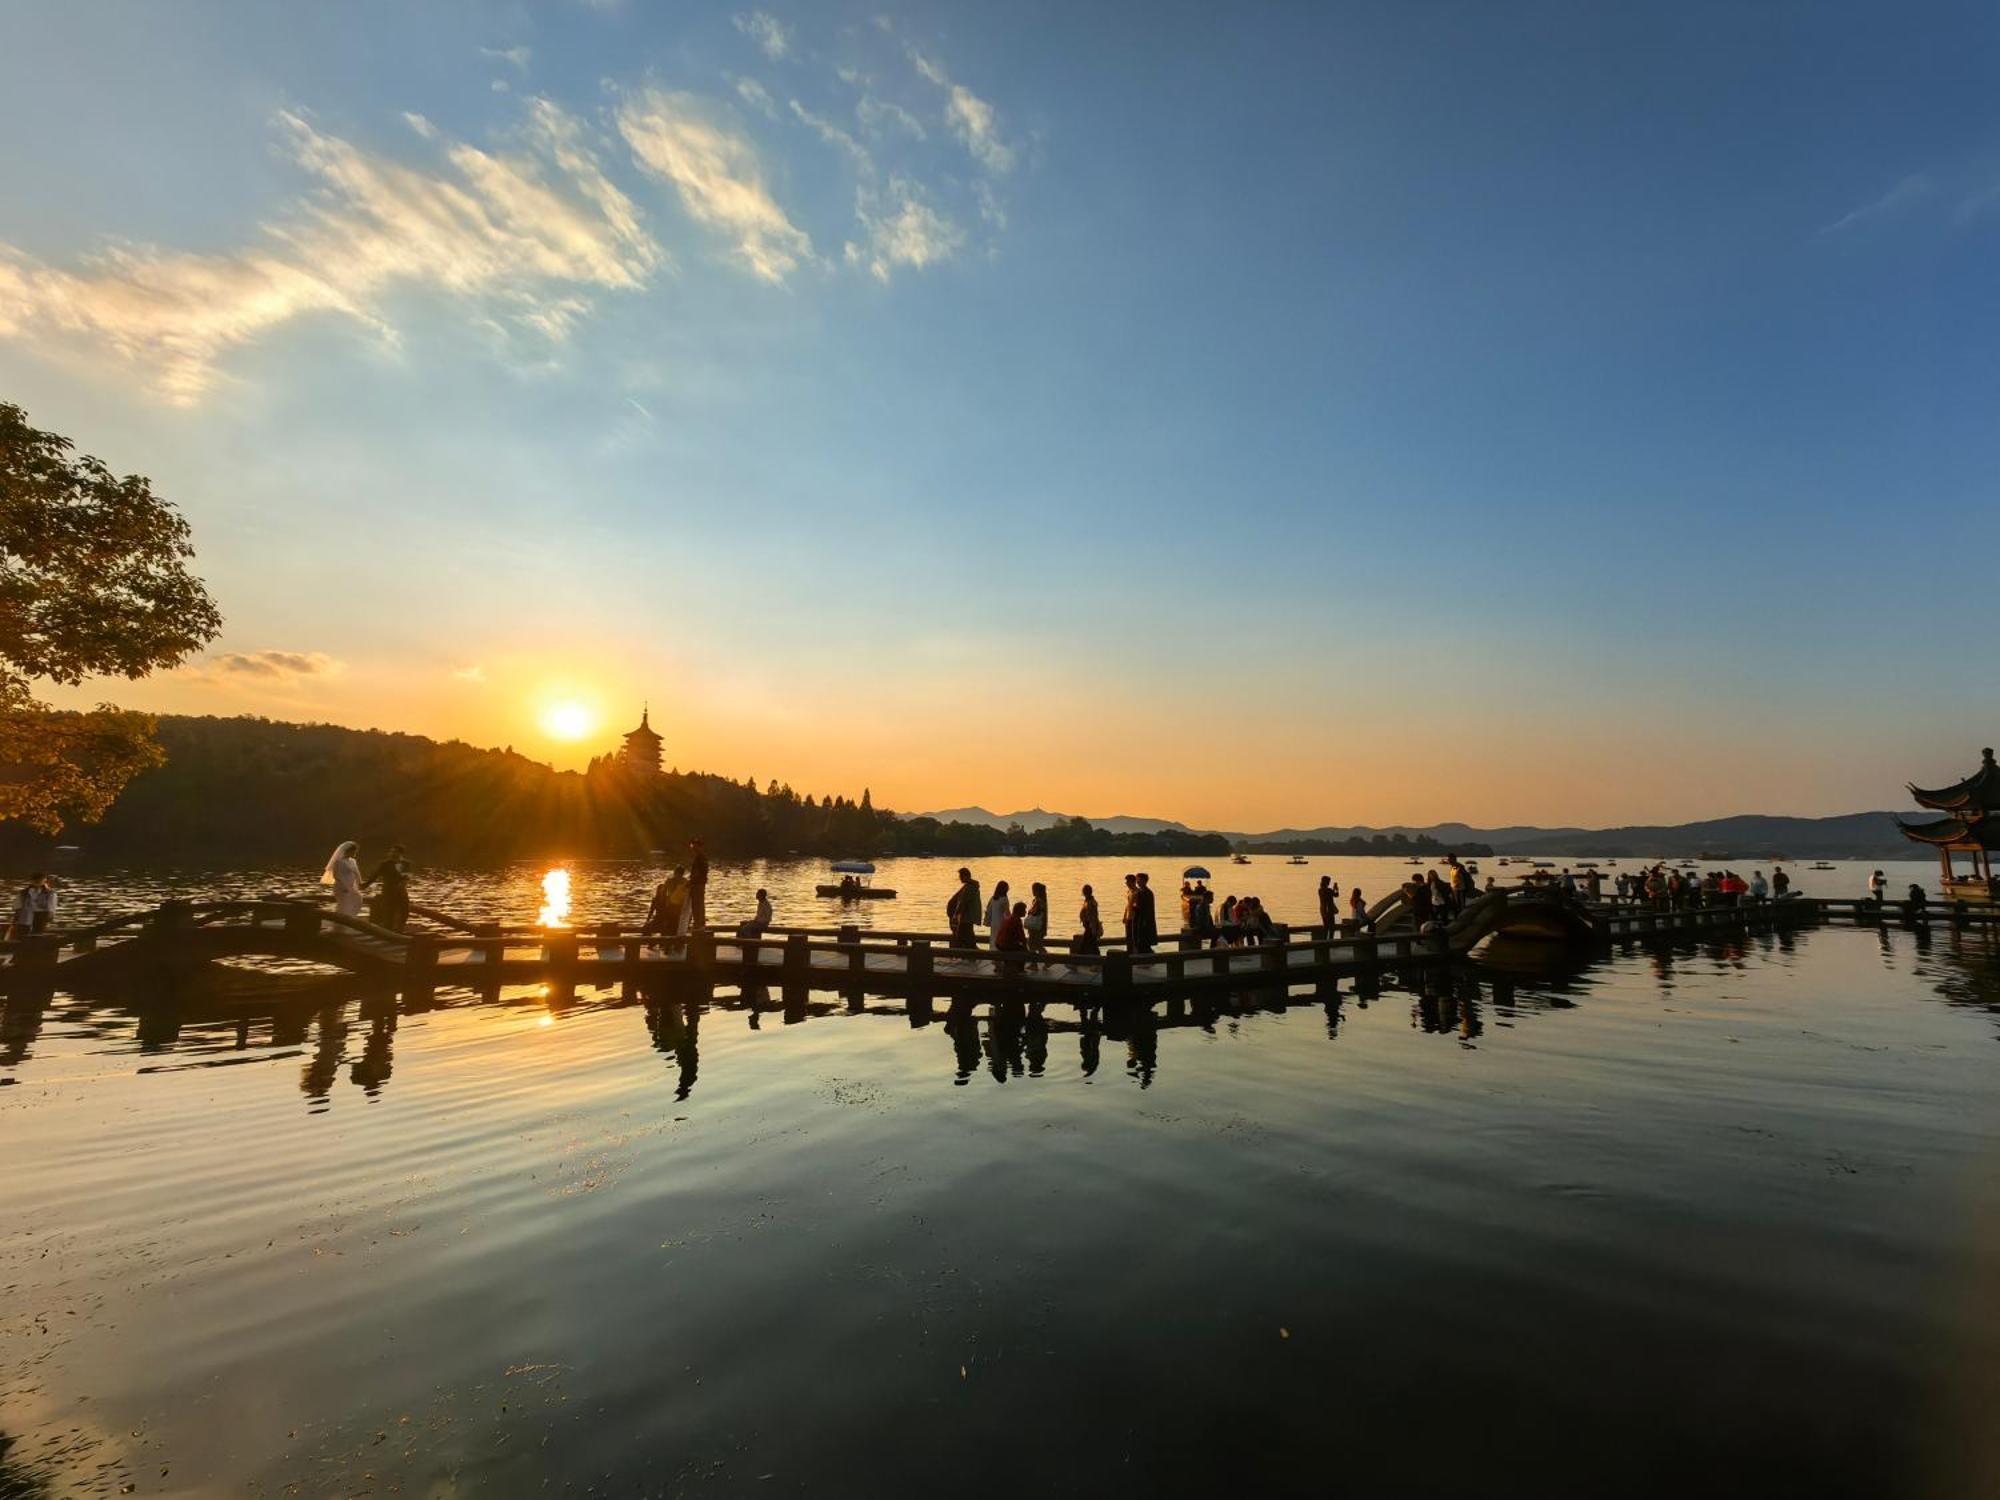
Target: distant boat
1822, 865
1296, 859
1413, 860
855, 876
1239, 859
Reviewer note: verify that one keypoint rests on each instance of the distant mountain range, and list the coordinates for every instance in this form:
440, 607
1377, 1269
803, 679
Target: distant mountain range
1866, 835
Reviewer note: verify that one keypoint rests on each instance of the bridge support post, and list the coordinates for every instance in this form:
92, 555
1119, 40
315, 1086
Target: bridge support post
301, 921
1118, 972
628, 986
420, 970
38, 953
920, 963
798, 962
1276, 957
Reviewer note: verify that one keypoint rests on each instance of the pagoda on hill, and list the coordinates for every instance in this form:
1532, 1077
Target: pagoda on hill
641, 753
1973, 828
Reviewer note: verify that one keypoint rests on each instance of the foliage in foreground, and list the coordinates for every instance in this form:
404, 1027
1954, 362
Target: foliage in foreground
94, 581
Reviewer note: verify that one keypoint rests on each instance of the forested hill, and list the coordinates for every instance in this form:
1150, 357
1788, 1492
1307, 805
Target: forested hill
249, 789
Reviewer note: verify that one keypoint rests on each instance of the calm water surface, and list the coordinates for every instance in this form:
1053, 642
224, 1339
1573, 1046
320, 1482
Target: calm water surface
1717, 1216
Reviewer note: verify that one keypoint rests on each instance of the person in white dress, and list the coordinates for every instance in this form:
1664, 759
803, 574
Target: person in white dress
343, 873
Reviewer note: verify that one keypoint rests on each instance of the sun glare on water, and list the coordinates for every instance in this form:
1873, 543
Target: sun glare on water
568, 721
555, 899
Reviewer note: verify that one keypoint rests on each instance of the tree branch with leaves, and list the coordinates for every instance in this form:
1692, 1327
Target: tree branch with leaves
94, 581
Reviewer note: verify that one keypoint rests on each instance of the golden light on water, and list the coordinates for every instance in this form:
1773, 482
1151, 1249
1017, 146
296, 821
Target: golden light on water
568, 720
555, 899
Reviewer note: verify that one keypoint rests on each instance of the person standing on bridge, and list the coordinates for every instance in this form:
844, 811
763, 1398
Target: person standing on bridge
1036, 919
390, 906
1011, 936
1090, 925
1146, 921
1780, 883
996, 913
27, 903
1442, 900
343, 874
697, 884
961, 913
1878, 885
1329, 903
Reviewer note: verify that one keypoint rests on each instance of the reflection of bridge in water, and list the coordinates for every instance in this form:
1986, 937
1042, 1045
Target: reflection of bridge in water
178, 943
344, 1025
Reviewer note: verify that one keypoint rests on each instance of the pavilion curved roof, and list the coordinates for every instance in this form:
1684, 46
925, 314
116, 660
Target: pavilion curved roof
1980, 790
1954, 833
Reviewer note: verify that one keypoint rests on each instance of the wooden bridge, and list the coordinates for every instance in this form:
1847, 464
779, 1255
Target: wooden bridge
180, 938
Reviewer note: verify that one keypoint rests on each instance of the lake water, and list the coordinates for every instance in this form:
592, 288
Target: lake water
1721, 1218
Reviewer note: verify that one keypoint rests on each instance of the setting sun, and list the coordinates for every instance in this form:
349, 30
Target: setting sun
568, 721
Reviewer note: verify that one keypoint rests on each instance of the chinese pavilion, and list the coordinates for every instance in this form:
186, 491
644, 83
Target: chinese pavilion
641, 754
1973, 828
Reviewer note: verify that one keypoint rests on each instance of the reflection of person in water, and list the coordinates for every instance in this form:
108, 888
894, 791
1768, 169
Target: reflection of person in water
316, 1081
371, 1070
675, 1027
1090, 1047
1003, 1033
1142, 1051
963, 1028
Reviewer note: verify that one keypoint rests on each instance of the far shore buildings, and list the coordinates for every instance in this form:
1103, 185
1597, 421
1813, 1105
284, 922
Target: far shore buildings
1971, 829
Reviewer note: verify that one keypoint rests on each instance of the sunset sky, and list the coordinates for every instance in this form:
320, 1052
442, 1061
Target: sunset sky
1251, 416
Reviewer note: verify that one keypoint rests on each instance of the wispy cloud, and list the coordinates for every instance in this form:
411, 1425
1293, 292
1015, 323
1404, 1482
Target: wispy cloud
473, 673
971, 118
770, 34
526, 228
899, 228
718, 177
882, 114
834, 136
1905, 194
272, 666
754, 94
517, 56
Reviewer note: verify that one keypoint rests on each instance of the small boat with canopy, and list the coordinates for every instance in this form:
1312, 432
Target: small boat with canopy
856, 883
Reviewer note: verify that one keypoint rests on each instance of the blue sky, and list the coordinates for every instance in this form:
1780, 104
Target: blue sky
1283, 414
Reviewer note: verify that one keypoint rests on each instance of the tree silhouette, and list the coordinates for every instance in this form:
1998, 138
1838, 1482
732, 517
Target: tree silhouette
94, 580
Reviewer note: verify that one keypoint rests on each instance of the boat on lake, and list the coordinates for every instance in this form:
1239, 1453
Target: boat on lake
856, 883
1296, 859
